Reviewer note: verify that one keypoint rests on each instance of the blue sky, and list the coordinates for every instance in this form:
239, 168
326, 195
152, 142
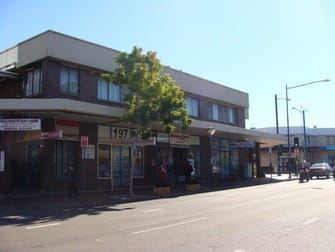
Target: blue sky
256, 46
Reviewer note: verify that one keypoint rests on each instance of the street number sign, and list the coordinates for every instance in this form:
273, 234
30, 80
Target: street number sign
120, 133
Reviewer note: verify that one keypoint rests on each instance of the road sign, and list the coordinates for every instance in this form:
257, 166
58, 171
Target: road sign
84, 141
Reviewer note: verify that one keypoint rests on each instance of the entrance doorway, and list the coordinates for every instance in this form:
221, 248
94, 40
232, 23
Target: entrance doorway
121, 162
66, 153
179, 155
34, 166
26, 172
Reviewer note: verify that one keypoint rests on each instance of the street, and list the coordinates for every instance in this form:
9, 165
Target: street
285, 216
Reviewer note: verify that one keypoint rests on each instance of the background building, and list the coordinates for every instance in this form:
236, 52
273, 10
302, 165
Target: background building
319, 146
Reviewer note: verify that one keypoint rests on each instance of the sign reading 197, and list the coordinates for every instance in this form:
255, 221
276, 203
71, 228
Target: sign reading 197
120, 133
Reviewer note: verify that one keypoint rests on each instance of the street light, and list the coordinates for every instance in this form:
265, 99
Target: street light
287, 117
277, 129
210, 131
304, 125
276, 111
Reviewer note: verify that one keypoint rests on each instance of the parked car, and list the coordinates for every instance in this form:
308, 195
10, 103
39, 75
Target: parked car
320, 170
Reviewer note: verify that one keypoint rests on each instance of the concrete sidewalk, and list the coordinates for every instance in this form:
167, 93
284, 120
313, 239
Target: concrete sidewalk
103, 198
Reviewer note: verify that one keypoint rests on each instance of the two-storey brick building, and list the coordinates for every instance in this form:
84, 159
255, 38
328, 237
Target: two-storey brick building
56, 110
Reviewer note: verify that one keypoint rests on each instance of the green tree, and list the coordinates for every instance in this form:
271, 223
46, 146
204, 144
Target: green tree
154, 100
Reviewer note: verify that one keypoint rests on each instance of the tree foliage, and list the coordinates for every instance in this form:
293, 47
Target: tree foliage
152, 97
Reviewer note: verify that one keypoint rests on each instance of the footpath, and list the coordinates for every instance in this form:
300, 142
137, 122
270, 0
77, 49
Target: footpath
103, 198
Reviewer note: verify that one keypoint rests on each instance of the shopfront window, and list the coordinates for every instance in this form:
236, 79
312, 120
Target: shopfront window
117, 160
172, 155
104, 161
194, 160
138, 165
224, 161
235, 163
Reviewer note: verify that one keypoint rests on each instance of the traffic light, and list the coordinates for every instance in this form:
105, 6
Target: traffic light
296, 142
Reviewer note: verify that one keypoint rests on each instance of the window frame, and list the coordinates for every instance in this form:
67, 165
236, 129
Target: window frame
33, 87
223, 113
331, 140
110, 162
104, 162
232, 115
70, 85
114, 92
192, 106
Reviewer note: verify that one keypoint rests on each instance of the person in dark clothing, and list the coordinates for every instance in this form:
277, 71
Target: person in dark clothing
72, 179
188, 169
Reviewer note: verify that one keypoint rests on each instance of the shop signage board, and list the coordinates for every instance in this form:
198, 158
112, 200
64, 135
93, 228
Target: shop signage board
330, 147
34, 136
70, 129
139, 142
242, 145
146, 142
180, 139
20, 124
51, 134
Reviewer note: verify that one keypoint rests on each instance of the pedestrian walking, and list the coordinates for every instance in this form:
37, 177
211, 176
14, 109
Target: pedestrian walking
188, 169
72, 180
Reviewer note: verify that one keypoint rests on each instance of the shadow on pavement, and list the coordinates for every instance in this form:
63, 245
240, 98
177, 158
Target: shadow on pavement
45, 208
30, 216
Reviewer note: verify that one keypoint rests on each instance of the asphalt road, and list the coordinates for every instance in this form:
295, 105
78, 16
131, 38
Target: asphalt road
286, 216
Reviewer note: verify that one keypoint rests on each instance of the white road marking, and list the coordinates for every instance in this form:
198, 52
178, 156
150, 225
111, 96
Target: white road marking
202, 198
169, 226
218, 199
152, 210
310, 221
42, 226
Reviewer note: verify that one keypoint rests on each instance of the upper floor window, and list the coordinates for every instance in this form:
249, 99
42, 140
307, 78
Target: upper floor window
331, 140
215, 112
231, 115
69, 81
109, 92
192, 106
33, 83
223, 113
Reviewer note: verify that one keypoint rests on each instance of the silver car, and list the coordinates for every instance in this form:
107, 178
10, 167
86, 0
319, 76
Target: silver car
320, 170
